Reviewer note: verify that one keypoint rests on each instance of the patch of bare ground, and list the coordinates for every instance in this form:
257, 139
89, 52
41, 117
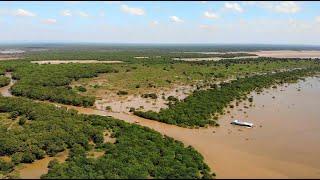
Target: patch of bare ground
213, 58
288, 54
107, 138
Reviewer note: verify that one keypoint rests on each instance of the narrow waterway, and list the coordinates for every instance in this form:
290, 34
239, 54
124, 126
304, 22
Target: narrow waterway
40, 167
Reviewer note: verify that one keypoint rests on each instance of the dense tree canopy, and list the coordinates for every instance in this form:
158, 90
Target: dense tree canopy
51, 82
138, 152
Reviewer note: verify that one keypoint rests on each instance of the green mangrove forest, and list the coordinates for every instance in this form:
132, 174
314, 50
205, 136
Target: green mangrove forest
198, 108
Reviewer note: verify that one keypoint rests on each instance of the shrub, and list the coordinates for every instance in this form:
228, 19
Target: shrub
120, 93
22, 120
151, 95
81, 89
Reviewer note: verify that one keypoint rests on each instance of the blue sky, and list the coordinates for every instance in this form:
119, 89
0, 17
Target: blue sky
161, 22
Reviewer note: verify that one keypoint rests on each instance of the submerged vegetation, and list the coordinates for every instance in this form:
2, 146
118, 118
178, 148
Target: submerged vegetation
198, 109
138, 152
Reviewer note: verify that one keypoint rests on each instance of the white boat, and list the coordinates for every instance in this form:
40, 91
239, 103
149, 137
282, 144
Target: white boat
242, 123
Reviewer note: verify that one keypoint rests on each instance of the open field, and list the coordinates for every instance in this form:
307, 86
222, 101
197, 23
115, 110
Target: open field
74, 61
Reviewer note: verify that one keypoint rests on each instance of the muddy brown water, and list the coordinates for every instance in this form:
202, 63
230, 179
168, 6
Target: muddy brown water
284, 143
40, 167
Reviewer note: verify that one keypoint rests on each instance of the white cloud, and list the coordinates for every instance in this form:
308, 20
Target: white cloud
318, 19
154, 23
233, 6
176, 19
287, 7
203, 2
83, 14
24, 13
49, 21
131, 10
281, 7
66, 13
210, 15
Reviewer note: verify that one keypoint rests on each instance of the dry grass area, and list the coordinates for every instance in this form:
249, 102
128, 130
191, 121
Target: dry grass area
9, 57
74, 61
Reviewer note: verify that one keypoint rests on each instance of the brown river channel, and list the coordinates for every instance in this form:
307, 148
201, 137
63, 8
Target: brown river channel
284, 142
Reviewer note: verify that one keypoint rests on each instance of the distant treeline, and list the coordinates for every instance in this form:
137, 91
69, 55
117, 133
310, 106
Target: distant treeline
121, 55
199, 108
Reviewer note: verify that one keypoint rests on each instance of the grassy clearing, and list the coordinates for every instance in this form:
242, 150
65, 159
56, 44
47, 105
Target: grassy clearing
139, 78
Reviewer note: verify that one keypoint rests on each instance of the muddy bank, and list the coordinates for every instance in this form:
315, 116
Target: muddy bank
116, 103
123, 104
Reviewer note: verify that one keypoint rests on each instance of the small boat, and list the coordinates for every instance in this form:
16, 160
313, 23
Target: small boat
242, 123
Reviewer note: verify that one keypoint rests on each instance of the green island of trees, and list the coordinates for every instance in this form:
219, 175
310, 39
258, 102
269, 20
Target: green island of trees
198, 109
4, 81
138, 152
51, 82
